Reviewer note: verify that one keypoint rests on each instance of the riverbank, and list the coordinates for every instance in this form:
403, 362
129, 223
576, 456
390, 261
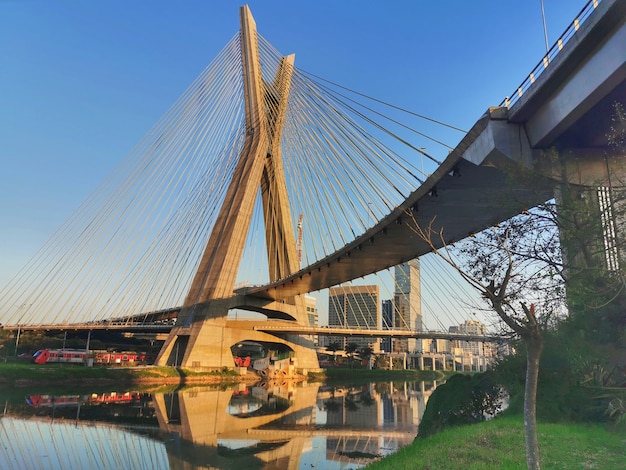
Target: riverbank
499, 443
26, 374
356, 376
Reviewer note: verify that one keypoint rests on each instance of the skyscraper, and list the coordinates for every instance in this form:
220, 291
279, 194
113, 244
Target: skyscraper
385, 343
355, 307
407, 304
310, 303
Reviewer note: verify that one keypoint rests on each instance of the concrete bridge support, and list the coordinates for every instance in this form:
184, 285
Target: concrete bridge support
206, 343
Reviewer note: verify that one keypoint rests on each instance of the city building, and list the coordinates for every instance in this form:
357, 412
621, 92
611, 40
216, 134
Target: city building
355, 307
475, 355
310, 303
387, 313
407, 304
470, 327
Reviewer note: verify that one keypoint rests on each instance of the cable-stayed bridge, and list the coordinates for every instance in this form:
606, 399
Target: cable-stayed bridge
253, 143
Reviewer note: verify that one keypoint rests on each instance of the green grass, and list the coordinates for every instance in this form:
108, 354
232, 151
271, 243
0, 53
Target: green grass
19, 373
11, 372
499, 444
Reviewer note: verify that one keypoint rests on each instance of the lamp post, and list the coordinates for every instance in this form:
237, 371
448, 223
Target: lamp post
19, 328
17, 338
545, 29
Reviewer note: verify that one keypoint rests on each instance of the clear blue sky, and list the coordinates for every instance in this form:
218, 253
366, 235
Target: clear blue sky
82, 81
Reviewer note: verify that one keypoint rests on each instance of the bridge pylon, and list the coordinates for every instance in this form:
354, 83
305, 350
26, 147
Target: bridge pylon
202, 336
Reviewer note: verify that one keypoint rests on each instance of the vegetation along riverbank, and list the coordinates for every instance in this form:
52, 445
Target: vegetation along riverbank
21, 374
25, 374
499, 444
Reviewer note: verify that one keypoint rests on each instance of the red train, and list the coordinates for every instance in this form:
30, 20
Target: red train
37, 401
126, 357
44, 356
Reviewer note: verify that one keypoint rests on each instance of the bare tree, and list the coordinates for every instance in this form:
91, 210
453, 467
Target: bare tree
508, 280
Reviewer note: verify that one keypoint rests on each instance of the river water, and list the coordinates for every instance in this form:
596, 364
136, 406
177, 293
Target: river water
266, 426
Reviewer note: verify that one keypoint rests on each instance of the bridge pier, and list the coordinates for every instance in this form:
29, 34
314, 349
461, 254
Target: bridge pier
205, 341
202, 343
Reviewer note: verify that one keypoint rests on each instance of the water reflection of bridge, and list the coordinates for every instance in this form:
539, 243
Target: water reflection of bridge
283, 420
276, 425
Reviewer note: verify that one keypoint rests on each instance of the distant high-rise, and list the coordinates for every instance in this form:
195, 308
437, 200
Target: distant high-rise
407, 304
311, 312
355, 307
385, 343
471, 327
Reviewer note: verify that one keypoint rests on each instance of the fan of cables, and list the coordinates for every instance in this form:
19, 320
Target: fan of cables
134, 245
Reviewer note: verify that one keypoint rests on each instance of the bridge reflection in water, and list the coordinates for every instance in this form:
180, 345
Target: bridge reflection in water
270, 425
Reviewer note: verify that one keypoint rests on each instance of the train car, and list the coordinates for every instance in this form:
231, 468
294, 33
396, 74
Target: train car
75, 356
44, 356
114, 397
37, 401
124, 357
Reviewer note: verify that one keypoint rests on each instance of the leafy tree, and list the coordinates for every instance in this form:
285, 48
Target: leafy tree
554, 277
365, 353
463, 399
351, 349
350, 403
382, 362
333, 347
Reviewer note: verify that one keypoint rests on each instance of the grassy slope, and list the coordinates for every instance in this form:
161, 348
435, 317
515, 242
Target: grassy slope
499, 444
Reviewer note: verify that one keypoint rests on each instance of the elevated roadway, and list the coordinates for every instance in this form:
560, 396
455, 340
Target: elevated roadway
568, 105
274, 327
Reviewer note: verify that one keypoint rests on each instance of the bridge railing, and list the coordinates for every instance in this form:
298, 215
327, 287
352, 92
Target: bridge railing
543, 64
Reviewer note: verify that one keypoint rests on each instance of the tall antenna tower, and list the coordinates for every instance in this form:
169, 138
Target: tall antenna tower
299, 240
